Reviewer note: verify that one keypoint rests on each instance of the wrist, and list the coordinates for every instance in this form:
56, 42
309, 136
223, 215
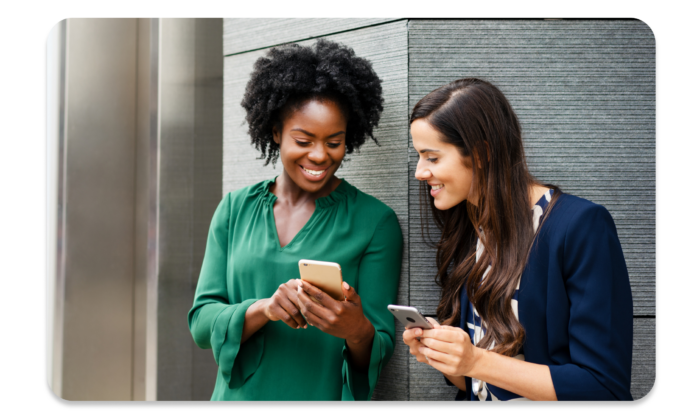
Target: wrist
366, 334
260, 308
480, 357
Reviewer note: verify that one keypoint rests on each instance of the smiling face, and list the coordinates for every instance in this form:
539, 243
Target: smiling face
448, 174
312, 144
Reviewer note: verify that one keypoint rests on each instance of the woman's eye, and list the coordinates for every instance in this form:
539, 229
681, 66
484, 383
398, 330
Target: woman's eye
303, 143
432, 160
333, 145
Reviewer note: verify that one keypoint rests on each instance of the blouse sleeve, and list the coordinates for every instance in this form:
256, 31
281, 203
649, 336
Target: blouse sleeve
216, 323
600, 314
378, 282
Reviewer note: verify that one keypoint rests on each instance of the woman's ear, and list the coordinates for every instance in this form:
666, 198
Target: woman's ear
276, 134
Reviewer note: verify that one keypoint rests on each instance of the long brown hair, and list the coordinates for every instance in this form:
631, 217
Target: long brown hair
476, 117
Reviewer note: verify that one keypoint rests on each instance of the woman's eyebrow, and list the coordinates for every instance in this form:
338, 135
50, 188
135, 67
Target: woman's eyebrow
428, 150
303, 131
313, 135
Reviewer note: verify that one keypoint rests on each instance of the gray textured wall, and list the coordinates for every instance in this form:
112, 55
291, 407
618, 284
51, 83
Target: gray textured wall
585, 93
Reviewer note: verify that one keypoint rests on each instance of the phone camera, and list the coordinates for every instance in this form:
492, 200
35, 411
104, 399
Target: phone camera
411, 319
305, 265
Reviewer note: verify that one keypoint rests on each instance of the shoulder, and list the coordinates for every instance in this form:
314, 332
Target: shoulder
577, 214
369, 206
255, 191
233, 202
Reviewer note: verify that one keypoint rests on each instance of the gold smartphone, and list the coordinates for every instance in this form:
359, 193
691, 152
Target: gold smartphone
324, 275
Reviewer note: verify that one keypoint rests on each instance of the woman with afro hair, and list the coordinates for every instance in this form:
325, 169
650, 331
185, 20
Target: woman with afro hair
275, 337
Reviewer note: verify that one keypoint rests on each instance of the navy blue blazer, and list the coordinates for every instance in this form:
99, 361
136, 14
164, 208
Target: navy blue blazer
575, 303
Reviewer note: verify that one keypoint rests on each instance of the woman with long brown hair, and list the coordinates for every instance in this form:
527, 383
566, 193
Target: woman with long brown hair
536, 301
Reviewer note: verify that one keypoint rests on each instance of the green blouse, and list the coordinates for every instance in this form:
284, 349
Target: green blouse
244, 262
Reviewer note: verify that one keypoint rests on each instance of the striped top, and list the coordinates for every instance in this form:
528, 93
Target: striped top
472, 322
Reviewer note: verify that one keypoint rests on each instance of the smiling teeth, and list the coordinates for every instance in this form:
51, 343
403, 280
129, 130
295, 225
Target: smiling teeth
437, 187
313, 172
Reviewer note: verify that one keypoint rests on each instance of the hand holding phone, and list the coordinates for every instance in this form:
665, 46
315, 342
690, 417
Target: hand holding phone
324, 275
410, 317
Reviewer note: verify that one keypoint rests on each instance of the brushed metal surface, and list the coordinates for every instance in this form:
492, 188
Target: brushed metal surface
153, 223
189, 189
142, 197
55, 226
208, 163
98, 197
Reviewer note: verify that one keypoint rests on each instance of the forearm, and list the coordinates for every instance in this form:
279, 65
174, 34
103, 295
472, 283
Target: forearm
255, 319
360, 348
531, 380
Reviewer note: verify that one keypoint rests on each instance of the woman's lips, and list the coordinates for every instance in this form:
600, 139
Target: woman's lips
313, 174
435, 189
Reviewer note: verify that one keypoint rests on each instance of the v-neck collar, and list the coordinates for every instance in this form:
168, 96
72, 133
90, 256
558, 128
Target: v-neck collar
336, 196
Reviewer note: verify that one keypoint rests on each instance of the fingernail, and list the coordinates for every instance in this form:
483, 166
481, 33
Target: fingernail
304, 326
346, 286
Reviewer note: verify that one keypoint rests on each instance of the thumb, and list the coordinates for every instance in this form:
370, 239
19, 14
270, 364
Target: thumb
350, 293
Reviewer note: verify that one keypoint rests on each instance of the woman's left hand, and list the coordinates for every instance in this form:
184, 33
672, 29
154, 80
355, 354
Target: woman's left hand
343, 319
450, 350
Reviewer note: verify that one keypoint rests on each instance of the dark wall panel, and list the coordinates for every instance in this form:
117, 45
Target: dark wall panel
643, 357
250, 34
585, 95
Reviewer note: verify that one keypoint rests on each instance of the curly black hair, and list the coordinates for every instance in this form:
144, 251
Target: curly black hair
290, 75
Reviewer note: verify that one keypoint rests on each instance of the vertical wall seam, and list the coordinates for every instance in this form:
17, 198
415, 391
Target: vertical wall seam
60, 284
153, 215
193, 192
408, 196
135, 200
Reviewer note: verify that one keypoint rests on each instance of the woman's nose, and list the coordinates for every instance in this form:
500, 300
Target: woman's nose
422, 174
317, 153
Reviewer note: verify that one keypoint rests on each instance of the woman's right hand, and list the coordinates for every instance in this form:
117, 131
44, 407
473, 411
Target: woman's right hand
283, 305
412, 339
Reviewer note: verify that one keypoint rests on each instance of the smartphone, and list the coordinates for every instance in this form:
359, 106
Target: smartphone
324, 275
410, 317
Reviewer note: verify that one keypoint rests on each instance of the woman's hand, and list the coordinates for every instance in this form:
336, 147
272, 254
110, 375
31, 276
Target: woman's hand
283, 306
343, 319
412, 339
449, 350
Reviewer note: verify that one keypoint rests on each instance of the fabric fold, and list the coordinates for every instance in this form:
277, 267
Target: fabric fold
359, 385
237, 362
